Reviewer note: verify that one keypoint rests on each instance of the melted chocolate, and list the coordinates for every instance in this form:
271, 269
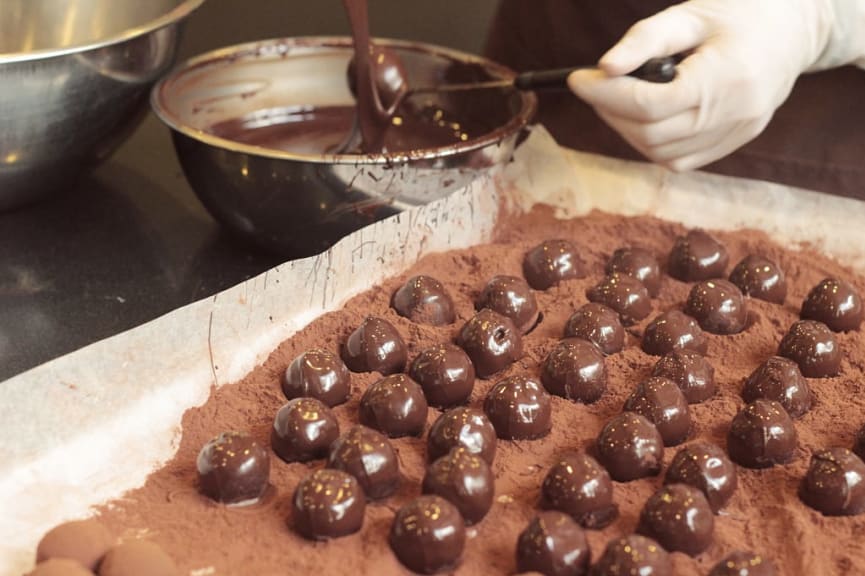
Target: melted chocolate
759, 277
707, 468
762, 435
512, 297
694, 375
318, 374
465, 427
395, 406
375, 346
625, 295
580, 487
446, 375
835, 483
465, 480
718, 306
671, 331
492, 341
743, 564
633, 555
835, 303
812, 346
663, 404
553, 545
428, 535
551, 262
679, 518
575, 370
424, 300
519, 409
779, 379
303, 430
637, 263
368, 456
600, 325
233, 469
630, 447
697, 256
328, 504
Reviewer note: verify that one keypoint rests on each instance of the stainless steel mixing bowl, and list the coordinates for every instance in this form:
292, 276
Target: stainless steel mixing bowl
299, 204
74, 80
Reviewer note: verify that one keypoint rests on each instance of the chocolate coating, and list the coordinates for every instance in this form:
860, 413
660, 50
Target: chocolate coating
60, 567
424, 300
691, 371
859, 443
492, 341
233, 469
465, 480
554, 545
762, 435
395, 405
368, 456
375, 346
580, 487
779, 379
679, 518
466, 427
812, 346
519, 409
743, 564
446, 375
718, 306
328, 504
759, 277
663, 404
630, 447
137, 558
835, 303
84, 541
428, 535
317, 374
637, 263
600, 325
303, 430
835, 483
512, 297
550, 262
624, 294
697, 256
633, 555
673, 330
706, 467
575, 370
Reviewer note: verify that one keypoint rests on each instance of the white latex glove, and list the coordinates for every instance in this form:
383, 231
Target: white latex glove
746, 57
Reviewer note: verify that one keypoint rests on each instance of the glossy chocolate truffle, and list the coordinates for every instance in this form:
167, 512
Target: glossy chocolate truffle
428, 535
697, 256
835, 303
512, 297
663, 404
317, 374
633, 555
395, 406
743, 564
630, 447
303, 430
812, 346
446, 375
835, 483
637, 263
492, 341
137, 558
760, 278
575, 370
673, 330
624, 294
762, 435
580, 487
85, 541
718, 306
465, 480
550, 262
600, 325
328, 504
706, 467
60, 567
368, 456
466, 427
233, 469
375, 346
554, 545
519, 409
424, 300
779, 379
691, 371
679, 518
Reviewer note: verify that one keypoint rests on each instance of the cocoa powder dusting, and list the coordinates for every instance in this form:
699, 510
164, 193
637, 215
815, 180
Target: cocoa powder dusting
765, 514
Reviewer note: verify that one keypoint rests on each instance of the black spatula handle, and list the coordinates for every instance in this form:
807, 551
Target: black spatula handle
658, 70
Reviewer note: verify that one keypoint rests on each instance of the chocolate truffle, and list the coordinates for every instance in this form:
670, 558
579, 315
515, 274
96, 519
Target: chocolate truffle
637, 263
368, 456
835, 303
859, 443
137, 558
760, 278
554, 545
624, 294
598, 324
395, 406
743, 564
375, 346
466, 427
491, 341
519, 409
707, 468
762, 435
575, 370
691, 371
835, 483
718, 306
679, 518
465, 480
779, 379
580, 487
550, 262
673, 330
85, 541
663, 404
317, 374
328, 504
697, 256
812, 346
630, 447
303, 430
511, 297
424, 300
633, 555
428, 535
60, 567
233, 469
446, 375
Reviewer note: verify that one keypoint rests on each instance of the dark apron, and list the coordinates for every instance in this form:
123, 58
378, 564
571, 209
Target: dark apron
816, 139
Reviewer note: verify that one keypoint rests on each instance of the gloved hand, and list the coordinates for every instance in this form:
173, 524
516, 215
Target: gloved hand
746, 57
